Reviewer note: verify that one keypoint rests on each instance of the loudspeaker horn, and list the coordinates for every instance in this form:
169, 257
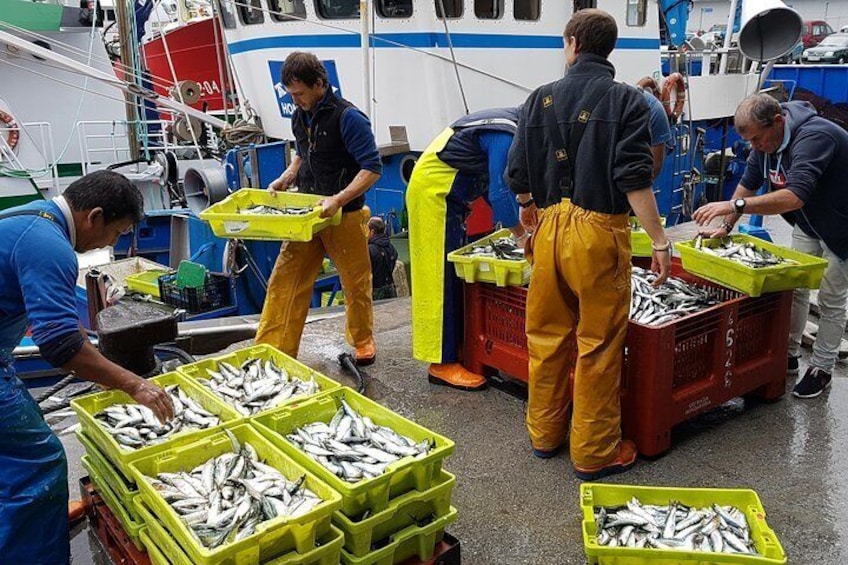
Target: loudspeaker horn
768, 30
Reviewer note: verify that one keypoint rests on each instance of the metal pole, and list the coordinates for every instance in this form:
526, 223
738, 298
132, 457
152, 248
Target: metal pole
728, 35
127, 58
364, 14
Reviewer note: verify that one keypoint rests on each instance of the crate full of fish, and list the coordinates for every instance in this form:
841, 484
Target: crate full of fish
263, 215
371, 531
125, 431
751, 265
366, 452
494, 259
637, 525
417, 540
123, 487
257, 379
160, 543
232, 497
640, 241
128, 520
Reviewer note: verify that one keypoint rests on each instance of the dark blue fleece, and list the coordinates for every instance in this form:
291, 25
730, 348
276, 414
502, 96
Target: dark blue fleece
814, 167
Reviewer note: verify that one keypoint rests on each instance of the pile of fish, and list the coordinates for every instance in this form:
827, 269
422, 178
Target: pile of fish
353, 447
256, 386
673, 299
719, 529
743, 252
224, 499
135, 426
262, 209
501, 248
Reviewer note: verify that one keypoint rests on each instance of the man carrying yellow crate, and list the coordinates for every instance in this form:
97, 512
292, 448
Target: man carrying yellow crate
467, 160
337, 157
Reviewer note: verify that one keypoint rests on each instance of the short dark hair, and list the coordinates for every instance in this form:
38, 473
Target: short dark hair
594, 30
377, 225
304, 67
111, 191
758, 110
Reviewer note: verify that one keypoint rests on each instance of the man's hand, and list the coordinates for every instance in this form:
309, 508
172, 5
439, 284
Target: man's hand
284, 182
709, 212
715, 233
152, 396
661, 264
330, 206
529, 217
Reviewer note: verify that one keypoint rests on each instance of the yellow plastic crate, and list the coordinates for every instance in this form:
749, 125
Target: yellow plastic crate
198, 371
272, 538
146, 282
226, 222
806, 272
159, 543
367, 494
483, 269
120, 485
87, 406
747, 501
414, 540
132, 526
640, 242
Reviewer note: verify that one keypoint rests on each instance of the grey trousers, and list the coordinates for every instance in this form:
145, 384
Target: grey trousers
832, 298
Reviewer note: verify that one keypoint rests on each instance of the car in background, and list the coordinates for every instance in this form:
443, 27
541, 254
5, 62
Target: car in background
814, 31
793, 56
832, 49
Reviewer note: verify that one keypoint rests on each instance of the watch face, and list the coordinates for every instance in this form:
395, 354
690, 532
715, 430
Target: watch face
740, 203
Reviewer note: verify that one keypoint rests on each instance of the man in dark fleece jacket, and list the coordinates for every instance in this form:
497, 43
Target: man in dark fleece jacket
580, 282
383, 257
804, 160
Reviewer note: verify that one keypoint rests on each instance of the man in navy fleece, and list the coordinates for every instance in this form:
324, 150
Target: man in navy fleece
804, 160
38, 276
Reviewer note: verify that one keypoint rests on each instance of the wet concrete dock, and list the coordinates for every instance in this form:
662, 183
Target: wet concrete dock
516, 509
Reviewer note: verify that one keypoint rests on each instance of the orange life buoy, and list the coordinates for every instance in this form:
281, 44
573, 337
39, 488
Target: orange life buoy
675, 109
12, 127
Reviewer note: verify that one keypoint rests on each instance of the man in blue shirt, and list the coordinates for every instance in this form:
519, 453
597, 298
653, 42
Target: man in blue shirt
38, 270
466, 161
661, 137
336, 157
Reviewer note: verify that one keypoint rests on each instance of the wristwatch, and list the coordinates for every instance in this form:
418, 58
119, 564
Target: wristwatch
525, 204
739, 205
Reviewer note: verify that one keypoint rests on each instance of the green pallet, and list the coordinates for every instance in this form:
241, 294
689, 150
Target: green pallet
121, 457
596, 494
368, 494
272, 538
159, 543
413, 541
198, 371
131, 526
120, 485
806, 272
403, 511
501, 272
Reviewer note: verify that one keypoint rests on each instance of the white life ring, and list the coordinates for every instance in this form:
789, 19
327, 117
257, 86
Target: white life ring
13, 132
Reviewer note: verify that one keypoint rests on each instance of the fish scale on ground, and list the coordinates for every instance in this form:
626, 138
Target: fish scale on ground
719, 529
673, 299
227, 497
135, 426
256, 386
353, 447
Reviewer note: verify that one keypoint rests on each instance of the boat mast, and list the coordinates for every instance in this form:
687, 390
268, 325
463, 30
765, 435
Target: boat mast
128, 60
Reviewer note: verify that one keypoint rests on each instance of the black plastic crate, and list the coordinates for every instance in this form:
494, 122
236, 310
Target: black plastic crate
215, 293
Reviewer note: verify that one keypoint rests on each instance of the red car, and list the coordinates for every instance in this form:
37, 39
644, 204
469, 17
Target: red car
814, 32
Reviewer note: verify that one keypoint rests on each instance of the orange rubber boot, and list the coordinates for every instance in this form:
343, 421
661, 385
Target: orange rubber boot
624, 461
456, 376
366, 354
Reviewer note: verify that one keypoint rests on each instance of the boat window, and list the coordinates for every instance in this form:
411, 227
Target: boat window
583, 4
394, 8
453, 8
636, 12
228, 13
337, 9
250, 12
489, 9
287, 10
526, 9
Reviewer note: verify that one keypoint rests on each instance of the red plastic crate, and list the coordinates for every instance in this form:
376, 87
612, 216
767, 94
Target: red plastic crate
671, 373
108, 530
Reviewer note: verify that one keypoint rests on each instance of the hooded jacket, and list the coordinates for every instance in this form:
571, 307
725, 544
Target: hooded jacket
814, 167
383, 258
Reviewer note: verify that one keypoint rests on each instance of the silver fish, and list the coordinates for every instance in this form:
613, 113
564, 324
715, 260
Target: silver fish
262, 209
674, 299
501, 248
746, 253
